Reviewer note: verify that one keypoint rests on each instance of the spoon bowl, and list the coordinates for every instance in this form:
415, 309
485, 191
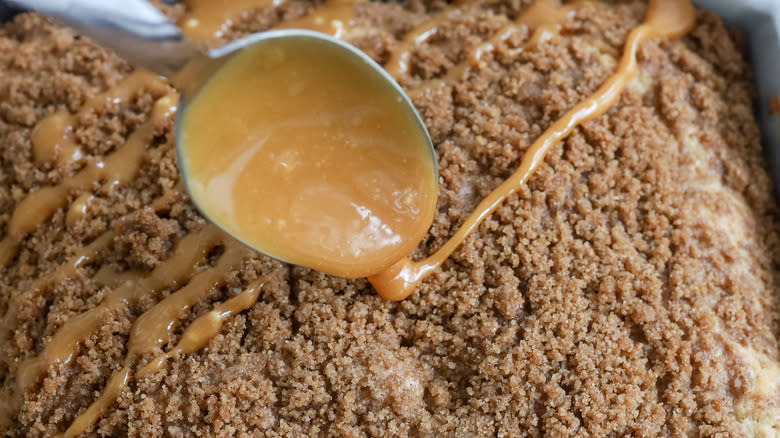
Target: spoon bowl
202, 71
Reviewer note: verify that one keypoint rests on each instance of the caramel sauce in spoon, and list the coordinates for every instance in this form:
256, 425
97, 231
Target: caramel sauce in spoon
305, 153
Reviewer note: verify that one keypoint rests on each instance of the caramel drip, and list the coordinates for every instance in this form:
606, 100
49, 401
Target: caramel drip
205, 327
126, 90
117, 168
169, 196
78, 209
207, 19
153, 329
70, 270
10, 398
53, 141
665, 19
8, 249
111, 278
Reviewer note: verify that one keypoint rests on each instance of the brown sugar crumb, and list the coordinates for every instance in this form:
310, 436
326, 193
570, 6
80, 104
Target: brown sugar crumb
774, 105
629, 289
142, 238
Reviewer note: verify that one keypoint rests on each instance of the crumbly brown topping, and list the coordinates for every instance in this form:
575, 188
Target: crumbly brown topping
629, 289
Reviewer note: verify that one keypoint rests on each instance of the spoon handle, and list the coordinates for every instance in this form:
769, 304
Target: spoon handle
134, 29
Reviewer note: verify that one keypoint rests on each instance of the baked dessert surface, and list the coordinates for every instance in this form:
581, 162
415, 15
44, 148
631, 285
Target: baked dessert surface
629, 289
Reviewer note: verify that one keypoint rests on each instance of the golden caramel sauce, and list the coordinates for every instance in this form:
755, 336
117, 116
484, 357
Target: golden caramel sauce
62, 347
317, 164
175, 270
543, 20
117, 168
154, 328
205, 327
10, 398
398, 63
207, 19
53, 141
113, 388
335, 18
106, 276
67, 271
78, 209
169, 196
153, 331
53, 137
195, 337
666, 19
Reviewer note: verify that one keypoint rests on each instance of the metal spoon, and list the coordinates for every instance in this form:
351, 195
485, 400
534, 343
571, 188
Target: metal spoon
141, 34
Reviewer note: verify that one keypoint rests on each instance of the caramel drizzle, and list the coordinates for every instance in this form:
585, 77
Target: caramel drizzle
71, 269
151, 330
544, 19
62, 348
79, 208
665, 19
112, 278
53, 141
154, 329
53, 137
205, 327
207, 19
195, 337
399, 63
335, 17
10, 398
117, 168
